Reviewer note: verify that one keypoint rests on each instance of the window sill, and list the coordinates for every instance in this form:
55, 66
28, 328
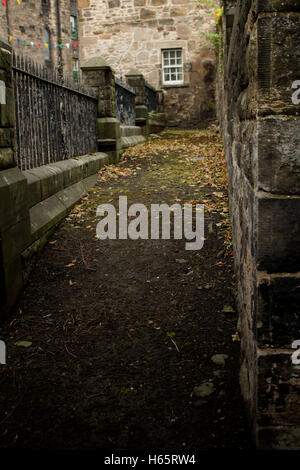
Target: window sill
180, 85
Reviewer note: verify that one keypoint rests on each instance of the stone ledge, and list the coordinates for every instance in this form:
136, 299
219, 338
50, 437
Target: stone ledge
128, 131
131, 141
48, 213
47, 180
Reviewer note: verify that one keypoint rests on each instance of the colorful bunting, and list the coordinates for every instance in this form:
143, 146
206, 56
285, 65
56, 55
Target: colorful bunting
39, 44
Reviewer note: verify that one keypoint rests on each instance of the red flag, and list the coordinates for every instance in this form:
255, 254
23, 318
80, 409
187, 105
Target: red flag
4, 3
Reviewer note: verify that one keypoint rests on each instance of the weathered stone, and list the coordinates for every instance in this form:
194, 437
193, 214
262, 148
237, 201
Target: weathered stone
7, 158
278, 230
278, 38
278, 316
219, 359
204, 390
278, 388
7, 111
113, 3
146, 14
260, 128
276, 5
279, 149
13, 197
158, 2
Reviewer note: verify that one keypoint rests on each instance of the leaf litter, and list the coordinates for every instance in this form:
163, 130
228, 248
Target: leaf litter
123, 331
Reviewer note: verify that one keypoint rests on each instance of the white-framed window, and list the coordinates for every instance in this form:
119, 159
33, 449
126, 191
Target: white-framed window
172, 66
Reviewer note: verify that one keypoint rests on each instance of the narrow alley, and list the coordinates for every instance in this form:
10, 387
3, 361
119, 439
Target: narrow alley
131, 344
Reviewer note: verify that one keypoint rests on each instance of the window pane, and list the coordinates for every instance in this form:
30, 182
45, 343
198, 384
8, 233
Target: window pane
73, 21
172, 66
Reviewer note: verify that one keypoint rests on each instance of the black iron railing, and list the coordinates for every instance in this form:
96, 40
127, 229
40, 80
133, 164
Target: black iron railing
125, 103
55, 119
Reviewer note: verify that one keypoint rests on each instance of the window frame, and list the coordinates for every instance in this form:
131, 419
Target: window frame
47, 40
74, 27
166, 65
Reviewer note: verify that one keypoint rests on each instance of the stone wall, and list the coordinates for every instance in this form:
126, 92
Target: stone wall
132, 33
259, 115
27, 22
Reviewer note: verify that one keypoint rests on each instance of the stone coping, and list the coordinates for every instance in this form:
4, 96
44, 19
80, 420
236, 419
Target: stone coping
47, 180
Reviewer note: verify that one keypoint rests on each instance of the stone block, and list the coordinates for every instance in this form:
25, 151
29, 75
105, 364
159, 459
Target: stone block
51, 178
108, 128
146, 14
5, 55
278, 38
73, 170
141, 112
11, 287
7, 158
278, 315
278, 233
6, 137
113, 3
15, 239
128, 131
130, 141
157, 3
278, 155
95, 162
34, 193
278, 388
13, 197
7, 111
46, 215
157, 123
70, 196
276, 5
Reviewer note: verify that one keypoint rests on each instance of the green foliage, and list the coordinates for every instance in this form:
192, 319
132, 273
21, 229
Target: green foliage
216, 39
208, 3
151, 114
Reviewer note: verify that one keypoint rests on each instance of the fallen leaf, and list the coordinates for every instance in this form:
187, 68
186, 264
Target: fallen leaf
228, 309
24, 344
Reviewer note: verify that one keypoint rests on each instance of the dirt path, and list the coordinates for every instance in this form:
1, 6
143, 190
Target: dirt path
120, 335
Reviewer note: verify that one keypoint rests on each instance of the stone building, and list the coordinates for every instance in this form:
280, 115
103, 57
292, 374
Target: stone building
44, 30
166, 40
